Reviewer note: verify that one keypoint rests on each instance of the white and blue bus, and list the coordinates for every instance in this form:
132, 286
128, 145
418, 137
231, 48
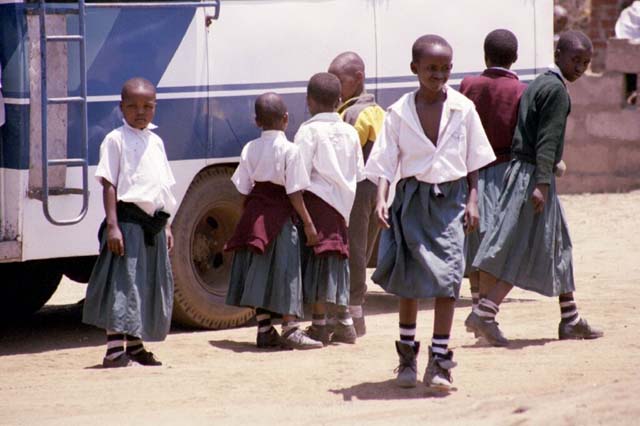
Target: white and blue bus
63, 65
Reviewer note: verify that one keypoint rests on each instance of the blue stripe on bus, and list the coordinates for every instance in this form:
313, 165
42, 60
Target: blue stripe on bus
13, 51
190, 128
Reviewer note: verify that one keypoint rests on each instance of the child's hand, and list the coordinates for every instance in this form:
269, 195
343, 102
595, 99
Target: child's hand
311, 234
560, 169
169, 238
115, 242
539, 197
471, 217
382, 213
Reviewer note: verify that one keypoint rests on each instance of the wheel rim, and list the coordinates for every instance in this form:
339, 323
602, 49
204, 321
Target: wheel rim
210, 263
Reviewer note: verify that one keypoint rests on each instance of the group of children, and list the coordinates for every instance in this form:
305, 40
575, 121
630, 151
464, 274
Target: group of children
476, 182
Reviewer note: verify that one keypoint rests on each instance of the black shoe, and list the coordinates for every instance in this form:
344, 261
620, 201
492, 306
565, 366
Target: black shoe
344, 334
269, 339
144, 357
319, 333
578, 331
486, 328
122, 360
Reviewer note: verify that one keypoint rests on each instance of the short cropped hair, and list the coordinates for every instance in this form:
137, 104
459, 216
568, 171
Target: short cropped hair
325, 89
422, 43
573, 39
270, 108
135, 83
501, 47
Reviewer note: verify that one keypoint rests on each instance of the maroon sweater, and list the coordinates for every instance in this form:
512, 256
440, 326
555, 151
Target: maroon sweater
496, 94
266, 209
330, 225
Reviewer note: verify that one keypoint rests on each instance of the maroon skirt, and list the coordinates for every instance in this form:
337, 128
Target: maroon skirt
330, 225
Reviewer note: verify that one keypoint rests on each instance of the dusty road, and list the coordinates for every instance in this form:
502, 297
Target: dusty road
50, 375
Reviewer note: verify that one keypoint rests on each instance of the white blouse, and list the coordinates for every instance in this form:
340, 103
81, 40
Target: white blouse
134, 161
270, 158
403, 146
331, 152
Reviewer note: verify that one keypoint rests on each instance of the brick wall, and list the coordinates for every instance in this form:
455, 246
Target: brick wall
603, 16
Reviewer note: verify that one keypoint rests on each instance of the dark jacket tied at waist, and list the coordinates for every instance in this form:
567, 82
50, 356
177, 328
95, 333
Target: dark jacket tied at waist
330, 225
131, 213
266, 210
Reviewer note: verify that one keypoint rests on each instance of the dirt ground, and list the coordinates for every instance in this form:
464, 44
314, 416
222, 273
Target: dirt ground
51, 375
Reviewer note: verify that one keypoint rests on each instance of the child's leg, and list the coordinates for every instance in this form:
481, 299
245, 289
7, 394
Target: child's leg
572, 326
319, 329
267, 336
407, 347
474, 281
344, 331
115, 356
438, 374
482, 320
137, 352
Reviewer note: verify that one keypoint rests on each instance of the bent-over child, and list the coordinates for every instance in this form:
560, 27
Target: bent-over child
266, 268
359, 109
130, 292
332, 155
434, 138
528, 244
496, 94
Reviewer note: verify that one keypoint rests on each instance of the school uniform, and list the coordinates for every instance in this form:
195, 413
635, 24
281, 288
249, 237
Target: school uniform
266, 269
331, 152
528, 250
496, 94
421, 255
364, 114
133, 294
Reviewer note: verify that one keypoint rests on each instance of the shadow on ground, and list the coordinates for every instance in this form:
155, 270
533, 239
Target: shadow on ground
57, 327
386, 390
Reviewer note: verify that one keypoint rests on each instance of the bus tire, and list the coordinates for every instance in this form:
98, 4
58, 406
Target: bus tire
205, 221
26, 286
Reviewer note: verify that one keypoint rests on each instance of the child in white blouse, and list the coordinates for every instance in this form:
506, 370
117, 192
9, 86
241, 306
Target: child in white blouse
130, 292
266, 271
434, 137
331, 151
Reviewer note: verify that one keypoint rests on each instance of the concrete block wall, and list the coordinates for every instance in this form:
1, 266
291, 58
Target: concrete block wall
602, 148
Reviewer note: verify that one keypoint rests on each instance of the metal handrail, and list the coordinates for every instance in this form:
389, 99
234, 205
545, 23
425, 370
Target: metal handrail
46, 101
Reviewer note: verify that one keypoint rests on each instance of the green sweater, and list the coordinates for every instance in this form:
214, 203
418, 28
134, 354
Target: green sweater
542, 118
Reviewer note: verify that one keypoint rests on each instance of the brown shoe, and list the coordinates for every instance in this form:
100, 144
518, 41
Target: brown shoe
144, 357
319, 333
344, 334
269, 339
122, 360
486, 328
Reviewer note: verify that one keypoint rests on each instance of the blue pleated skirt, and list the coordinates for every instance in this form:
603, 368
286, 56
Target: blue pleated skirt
132, 294
528, 250
422, 254
271, 280
490, 184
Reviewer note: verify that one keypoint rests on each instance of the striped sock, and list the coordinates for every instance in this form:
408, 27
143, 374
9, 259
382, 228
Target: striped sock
440, 345
408, 334
115, 345
487, 310
134, 344
286, 326
319, 320
569, 309
264, 320
344, 317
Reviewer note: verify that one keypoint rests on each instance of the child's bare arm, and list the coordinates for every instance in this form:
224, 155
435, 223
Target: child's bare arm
471, 214
300, 208
382, 211
115, 242
169, 238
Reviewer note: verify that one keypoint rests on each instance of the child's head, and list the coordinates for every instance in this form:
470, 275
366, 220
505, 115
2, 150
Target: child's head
573, 54
323, 93
500, 49
138, 102
431, 62
271, 112
349, 68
